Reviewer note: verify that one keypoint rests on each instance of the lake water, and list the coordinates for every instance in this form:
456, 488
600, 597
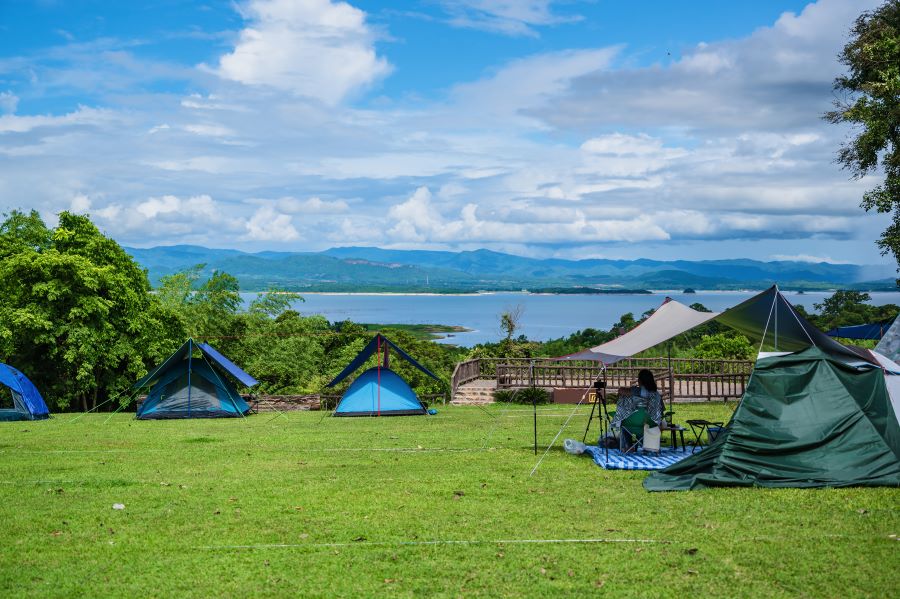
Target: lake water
543, 316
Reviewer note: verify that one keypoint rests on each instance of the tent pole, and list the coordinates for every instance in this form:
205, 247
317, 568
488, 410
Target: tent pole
776, 317
378, 361
190, 366
671, 380
533, 401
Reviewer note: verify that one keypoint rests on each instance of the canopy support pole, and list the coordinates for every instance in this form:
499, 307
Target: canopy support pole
190, 366
378, 361
533, 401
671, 379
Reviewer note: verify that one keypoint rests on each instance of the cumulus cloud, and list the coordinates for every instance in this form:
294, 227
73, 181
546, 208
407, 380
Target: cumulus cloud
267, 224
80, 203
314, 48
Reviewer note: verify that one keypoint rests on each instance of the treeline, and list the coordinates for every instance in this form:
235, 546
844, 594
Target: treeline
78, 316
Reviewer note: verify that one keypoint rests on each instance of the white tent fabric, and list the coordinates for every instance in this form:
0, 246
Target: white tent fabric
889, 346
891, 379
669, 320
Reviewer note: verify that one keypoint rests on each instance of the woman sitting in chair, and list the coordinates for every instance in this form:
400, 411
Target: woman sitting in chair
643, 396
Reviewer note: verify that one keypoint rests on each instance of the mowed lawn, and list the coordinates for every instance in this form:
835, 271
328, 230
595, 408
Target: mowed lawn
305, 505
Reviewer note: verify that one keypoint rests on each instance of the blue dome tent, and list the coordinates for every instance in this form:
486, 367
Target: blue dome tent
379, 391
19, 398
185, 386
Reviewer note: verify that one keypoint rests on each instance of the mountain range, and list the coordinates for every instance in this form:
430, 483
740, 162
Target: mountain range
350, 269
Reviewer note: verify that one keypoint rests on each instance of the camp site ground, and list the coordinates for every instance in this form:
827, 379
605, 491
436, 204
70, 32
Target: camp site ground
444, 505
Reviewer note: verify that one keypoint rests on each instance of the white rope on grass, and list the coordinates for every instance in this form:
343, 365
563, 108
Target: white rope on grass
427, 543
552, 414
291, 450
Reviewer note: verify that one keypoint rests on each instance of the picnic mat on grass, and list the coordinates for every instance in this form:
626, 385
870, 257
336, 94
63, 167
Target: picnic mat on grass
635, 461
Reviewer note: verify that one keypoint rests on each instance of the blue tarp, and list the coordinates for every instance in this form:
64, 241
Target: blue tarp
614, 459
377, 343
29, 405
875, 330
229, 366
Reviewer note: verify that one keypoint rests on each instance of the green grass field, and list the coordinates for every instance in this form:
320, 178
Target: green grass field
442, 505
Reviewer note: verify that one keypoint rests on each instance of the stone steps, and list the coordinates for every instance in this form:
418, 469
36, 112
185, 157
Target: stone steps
478, 392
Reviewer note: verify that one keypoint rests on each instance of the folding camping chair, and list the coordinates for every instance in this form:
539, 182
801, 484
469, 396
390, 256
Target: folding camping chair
632, 431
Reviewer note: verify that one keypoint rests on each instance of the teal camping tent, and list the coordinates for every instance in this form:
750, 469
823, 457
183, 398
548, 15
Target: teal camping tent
379, 391
19, 398
188, 386
817, 415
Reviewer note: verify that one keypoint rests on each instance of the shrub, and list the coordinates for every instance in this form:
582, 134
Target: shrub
724, 347
528, 395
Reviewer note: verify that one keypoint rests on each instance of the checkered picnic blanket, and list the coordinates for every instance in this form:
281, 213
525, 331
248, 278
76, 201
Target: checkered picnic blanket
635, 461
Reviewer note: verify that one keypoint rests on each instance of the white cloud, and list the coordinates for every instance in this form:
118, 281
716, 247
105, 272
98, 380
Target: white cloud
314, 205
11, 123
778, 77
80, 203
267, 224
619, 144
314, 48
510, 17
528, 85
805, 258
209, 129
196, 206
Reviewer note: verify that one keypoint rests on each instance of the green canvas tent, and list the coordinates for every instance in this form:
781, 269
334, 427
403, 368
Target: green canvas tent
821, 416
806, 420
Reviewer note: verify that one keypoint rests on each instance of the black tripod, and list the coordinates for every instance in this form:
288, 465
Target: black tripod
598, 405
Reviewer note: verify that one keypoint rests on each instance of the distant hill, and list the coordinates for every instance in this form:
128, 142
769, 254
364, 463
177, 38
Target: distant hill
376, 269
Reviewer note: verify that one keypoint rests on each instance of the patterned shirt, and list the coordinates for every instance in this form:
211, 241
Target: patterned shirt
639, 398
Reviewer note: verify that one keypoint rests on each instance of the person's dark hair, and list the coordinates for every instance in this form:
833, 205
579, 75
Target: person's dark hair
646, 380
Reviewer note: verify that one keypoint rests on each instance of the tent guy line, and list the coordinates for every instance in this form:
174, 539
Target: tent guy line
562, 428
436, 542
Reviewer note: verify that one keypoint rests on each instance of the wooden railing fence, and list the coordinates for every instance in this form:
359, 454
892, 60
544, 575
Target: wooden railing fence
681, 378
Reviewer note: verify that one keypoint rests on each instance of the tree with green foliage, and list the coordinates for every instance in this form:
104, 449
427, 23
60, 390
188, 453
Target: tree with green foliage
848, 308
724, 347
274, 302
76, 314
870, 100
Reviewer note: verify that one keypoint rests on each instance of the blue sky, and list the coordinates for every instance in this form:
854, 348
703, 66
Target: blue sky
571, 129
